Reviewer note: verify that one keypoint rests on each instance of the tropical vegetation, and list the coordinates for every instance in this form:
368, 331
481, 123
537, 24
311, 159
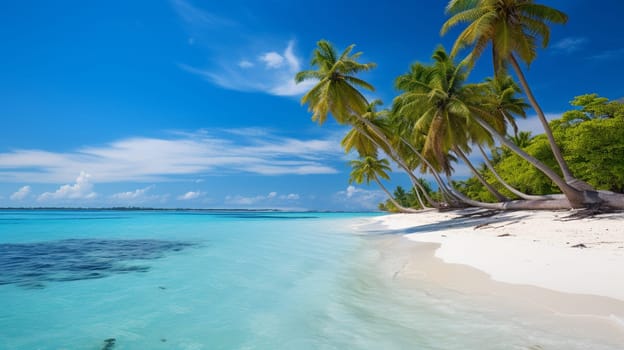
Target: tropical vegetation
439, 118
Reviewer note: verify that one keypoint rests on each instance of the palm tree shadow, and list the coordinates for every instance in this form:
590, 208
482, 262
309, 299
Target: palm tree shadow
475, 220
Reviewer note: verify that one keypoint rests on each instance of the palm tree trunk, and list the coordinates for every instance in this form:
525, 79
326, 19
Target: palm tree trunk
489, 187
396, 204
441, 186
392, 153
504, 183
557, 203
420, 201
567, 174
577, 198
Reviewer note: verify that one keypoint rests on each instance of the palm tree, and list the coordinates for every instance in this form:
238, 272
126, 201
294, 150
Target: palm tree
436, 97
365, 141
451, 113
512, 27
370, 168
502, 97
522, 139
336, 91
432, 98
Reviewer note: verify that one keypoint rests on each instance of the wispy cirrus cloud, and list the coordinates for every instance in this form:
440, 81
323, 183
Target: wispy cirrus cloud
570, 44
143, 159
271, 72
237, 57
195, 16
608, 54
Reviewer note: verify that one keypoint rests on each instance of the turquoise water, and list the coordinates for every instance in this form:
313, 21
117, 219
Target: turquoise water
224, 280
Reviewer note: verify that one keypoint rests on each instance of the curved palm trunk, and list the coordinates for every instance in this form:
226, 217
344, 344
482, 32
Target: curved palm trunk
395, 156
506, 184
415, 183
442, 187
558, 203
396, 204
489, 187
576, 198
420, 201
567, 174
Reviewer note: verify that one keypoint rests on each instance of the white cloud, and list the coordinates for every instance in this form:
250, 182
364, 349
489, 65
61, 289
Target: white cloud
289, 54
533, 124
271, 198
245, 64
242, 200
272, 59
608, 54
201, 153
132, 195
82, 189
20, 194
191, 195
246, 76
195, 16
570, 44
356, 198
291, 196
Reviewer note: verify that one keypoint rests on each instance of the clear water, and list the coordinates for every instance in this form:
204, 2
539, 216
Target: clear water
229, 280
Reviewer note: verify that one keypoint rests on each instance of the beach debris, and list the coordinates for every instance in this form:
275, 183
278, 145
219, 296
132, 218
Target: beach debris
109, 344
580, 245
588, 213
504, 235
480, 214
485, 224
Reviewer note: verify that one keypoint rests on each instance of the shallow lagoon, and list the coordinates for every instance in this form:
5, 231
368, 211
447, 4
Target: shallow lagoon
225, 280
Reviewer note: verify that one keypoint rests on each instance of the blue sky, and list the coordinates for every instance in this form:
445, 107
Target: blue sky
186, 103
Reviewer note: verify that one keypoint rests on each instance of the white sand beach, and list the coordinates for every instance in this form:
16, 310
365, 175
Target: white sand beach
524, 247
522, 260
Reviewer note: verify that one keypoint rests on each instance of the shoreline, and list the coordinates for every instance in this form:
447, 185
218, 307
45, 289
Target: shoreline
520, 262
543, 248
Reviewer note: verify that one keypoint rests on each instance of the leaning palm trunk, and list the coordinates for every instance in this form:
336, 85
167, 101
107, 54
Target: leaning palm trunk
506, 184
415, 183
401, 208
420, 201
479, 177
395, 156
576, 198
446, 193
557, 203
567, 174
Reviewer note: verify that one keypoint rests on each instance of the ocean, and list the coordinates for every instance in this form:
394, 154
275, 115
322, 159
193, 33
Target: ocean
115, 280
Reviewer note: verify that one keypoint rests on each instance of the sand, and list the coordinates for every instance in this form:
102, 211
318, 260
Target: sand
526, 247
522, 262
